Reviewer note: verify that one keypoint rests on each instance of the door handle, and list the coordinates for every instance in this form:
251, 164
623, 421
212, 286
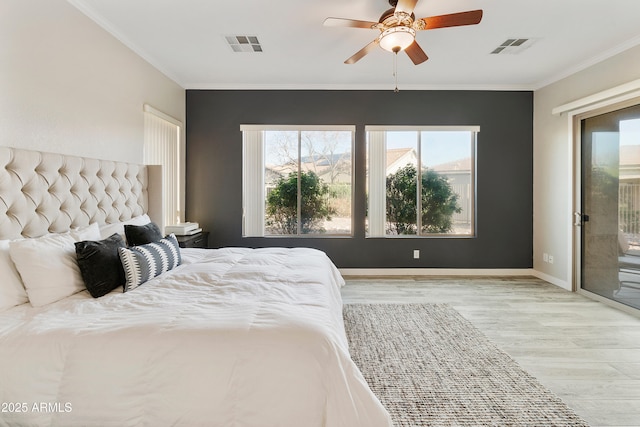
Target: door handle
579, 218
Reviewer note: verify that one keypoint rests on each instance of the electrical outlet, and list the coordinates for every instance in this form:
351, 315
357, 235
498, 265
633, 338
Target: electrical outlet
550, 259
416, 254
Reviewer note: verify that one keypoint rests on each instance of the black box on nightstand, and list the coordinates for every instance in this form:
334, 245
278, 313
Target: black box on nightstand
198, 240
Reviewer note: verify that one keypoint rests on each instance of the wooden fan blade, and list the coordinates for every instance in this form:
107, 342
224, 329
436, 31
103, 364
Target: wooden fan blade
354, 23
416, 54
362, 52
406, 6
471, 17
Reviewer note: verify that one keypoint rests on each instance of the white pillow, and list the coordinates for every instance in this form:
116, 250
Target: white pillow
90, 232
12, 291
48, 264
107, 230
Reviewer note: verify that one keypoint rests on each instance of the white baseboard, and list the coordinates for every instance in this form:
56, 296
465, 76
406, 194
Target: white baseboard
553, 280
437, 272
390, 272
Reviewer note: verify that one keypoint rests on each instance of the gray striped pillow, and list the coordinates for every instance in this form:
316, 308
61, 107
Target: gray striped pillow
144, 262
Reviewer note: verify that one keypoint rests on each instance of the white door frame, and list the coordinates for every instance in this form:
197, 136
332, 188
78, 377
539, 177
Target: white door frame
606, 101
575, 117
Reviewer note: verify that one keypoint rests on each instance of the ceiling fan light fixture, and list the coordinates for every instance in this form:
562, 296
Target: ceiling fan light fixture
398, 27
396, 39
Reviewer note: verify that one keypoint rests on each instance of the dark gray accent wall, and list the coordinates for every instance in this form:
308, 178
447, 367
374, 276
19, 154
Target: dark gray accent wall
504, 205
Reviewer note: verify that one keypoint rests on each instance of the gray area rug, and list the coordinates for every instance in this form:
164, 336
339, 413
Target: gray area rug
431, 367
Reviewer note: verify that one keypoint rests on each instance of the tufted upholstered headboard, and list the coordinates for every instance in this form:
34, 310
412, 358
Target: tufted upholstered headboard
44, 193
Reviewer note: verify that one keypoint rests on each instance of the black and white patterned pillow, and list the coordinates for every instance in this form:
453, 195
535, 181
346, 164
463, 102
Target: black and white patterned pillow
144, 262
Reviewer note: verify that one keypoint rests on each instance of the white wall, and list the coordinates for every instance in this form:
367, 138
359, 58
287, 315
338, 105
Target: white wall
67, 86
553, 160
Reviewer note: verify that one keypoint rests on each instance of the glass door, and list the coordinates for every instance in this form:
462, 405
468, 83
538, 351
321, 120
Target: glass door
610, 205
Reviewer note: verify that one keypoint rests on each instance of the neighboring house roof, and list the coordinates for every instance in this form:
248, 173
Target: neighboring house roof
395, 154
629, 162
456, 165
400, 157
334, 168
326, 159
396, 159
272, 174
629, 155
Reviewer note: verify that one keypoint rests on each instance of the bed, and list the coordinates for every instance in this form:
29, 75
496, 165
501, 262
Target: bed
227, 337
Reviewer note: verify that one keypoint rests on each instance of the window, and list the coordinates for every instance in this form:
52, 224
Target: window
162, 147
421, 181
297, 180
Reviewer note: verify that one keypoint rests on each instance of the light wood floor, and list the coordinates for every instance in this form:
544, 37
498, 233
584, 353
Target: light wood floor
584, 351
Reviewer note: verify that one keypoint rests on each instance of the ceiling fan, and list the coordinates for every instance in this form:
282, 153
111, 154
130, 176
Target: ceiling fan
398, 27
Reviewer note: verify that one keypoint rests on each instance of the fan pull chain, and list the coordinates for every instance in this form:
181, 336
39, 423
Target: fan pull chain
395, 70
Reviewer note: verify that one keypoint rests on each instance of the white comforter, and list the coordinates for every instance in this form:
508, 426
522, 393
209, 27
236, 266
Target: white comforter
233, 337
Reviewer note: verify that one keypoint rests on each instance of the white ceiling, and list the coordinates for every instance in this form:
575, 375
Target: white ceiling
185, 39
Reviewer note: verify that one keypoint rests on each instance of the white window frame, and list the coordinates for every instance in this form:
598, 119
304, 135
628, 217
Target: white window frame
162, 146
376, 169
253, 185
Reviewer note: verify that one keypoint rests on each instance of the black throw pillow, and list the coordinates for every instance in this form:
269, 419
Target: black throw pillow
142, 234
100, 264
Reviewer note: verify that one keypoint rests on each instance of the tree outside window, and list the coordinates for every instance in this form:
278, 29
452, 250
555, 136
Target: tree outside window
421, 181
309, 182
439, 202
304, 187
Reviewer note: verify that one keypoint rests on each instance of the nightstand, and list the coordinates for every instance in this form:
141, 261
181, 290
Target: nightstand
199, 240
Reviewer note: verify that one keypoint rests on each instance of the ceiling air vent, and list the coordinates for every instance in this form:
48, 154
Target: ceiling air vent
513, 46
244, 43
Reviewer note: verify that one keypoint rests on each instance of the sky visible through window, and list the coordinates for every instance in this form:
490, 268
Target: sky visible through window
282, 146
630, 132
441, 147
